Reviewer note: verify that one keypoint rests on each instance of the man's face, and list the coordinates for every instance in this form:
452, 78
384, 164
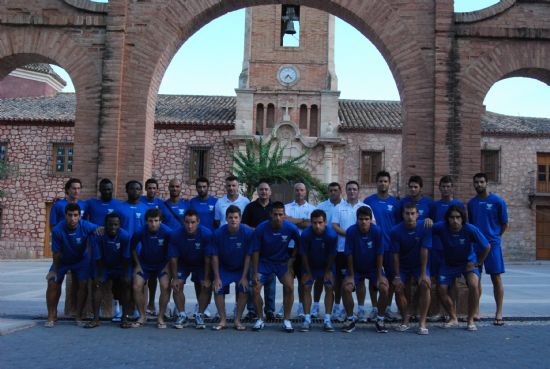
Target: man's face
202, 189
414, 189
352, 192
410, 215
455, 221
334, 193
112, 226
151, 189
446, 189
264, 191
174, 187
383, 185
153, 224
106, 191
480, 185
277, 217
191, 224
232, 188
74, 191
72, 218
134, 191
363, 222
318, 224
299, 192
233, 220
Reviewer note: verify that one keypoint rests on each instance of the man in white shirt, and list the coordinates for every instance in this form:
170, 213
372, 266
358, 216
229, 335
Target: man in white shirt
232, 197
344, 216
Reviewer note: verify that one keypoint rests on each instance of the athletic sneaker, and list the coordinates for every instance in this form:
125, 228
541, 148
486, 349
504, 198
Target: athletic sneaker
435, 318
381, 327
315, 311
280, 313
117, 316
402, 327
306, 326
327, 327
258, 326
199, 321
349, 326
373, 314
423, 331
339, 315
181, 321
195, 310
287, 326
300, 311
362, 315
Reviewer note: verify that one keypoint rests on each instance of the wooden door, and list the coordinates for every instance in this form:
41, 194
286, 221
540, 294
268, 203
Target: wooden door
48, 232
543, 232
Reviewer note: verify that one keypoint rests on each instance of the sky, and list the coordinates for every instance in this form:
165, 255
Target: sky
362, 71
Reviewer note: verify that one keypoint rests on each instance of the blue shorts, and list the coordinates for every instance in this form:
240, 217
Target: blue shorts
319, 275
197, 273
265, 269
371, 276
388, 264
115, 273
80, 269
448, 273
227, 277
436, 260
494, 263
406, 274
148, 271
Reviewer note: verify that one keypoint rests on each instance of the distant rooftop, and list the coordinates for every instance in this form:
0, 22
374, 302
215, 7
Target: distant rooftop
46, 69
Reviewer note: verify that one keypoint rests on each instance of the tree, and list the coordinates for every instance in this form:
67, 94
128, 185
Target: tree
264, 160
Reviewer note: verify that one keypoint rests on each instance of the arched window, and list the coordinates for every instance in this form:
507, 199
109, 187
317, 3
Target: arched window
270, 118
260, 119
303, 116
314, 121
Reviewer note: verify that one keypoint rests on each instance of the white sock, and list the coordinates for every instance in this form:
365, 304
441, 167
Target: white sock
336, 308
361, 307
327, 318
307, 318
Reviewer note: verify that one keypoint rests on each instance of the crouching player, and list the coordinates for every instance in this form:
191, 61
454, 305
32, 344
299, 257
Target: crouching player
461, 244
151, 260
411, 242
70, 253
318, 250
111, 253
364, 252
188, 257
231, 252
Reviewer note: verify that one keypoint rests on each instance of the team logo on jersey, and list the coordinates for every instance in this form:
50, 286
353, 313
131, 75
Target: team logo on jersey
78, 240
390, 207
138, 215
239, 245
181, 211
117, 245
489, 206
284, 237
369, 244
81, 213
462, 241
420, 212
161, 242
197, 245
109, 211
210, 207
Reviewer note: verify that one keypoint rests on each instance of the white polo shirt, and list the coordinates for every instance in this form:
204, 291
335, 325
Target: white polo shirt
300, 212
223, 203
328, 207
345, 215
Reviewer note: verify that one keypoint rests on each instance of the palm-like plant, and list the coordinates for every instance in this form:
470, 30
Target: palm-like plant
265, 160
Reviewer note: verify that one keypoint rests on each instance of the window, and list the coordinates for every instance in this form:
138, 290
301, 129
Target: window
490, 164
270, 118
3, 152
62, 158
199, 162
371, 163
290, 26
260, 119
303, 116
543, 172
314, 121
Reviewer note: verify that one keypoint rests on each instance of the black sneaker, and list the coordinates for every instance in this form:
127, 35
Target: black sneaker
349, 326
381, 327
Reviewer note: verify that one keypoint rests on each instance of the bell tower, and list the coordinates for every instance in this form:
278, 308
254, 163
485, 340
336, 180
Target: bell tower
288, 71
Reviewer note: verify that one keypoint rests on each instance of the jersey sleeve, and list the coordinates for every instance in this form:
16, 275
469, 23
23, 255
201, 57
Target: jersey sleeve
136, 238
479, 239
217, 212
394, 246
426, 238
125, 240
95, 246
173, 249
333, 244
256, 240
209, 241
379, 242
57, 241
296, 237
304, 244
502, 212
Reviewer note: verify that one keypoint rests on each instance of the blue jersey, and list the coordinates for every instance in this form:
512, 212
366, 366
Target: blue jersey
72, 243
153, 253
190, 249
439, 209
96, 210
424, 206
460, 247
112, 251
385, 212
232, 249
173, 214
205, 209
408, 244
364, 247
318, 248
272, 244
57, 213
488, 215
133, 216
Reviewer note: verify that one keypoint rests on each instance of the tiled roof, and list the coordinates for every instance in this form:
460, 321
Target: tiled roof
46, 69
218, 112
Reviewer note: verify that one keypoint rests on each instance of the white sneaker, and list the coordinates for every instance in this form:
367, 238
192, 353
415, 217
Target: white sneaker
117, 316
315, 311
195, 310
280, 313
373, 314
362, 315
300, 311
339, 315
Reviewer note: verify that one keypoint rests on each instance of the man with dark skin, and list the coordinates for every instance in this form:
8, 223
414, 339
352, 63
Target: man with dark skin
175, 206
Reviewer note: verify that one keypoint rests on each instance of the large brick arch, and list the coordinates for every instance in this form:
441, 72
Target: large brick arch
172, 24
21, 46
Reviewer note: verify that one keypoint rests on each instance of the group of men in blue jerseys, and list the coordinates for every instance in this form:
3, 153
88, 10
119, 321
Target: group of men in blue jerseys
402, 247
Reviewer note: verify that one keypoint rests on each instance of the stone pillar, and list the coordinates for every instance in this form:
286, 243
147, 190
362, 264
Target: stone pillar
244, 115
329, 113
327, 164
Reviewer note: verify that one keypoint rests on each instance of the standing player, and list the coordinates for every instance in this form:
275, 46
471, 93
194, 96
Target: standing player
203, 203
231, 252
70, 253
151, 261
318, 250
232, 197
298, 213
423, 203
364, 250
133, 211
410, 243
175, 206
188, 256
460, 244
271, 256
489, 213
72, 194
112, 256
384, 208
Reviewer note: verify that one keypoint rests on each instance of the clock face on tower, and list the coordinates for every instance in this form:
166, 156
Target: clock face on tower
288, 75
